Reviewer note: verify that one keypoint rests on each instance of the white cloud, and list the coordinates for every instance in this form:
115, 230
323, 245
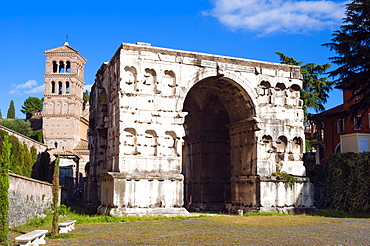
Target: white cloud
278, 16
29, 84
88, 87
15, 92
35, 90
29, 87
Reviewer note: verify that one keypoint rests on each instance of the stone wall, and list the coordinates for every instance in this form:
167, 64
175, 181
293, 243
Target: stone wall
27, 198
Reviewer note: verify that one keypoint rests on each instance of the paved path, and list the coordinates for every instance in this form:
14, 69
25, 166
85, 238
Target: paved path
204, 231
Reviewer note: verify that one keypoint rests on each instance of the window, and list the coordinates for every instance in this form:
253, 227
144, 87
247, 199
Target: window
60, 90
357, 121
52, 87
340, 126
67, 87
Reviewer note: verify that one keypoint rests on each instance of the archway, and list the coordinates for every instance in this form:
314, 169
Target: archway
220, 149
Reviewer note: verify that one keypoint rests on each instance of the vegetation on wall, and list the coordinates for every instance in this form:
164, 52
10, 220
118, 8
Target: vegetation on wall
346, 185
5, 160
23, 158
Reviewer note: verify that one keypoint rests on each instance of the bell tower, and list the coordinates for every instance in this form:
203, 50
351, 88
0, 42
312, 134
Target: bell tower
63, 97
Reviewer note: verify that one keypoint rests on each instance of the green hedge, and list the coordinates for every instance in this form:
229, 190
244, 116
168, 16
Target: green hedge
23, 158
346, 183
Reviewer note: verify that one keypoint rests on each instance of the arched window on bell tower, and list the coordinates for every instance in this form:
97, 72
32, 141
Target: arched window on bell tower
60, 88
61, 67
55, 67
67, 87
68, 67
52, 87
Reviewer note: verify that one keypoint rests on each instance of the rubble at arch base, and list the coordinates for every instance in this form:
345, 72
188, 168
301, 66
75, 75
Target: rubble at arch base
172, 130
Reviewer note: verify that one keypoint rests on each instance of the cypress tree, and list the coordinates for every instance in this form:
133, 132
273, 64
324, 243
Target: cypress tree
4, 186
55, 198
352, 45
1, 115
11, 111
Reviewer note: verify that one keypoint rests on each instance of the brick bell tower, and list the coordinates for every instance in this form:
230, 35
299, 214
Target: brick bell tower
63, 97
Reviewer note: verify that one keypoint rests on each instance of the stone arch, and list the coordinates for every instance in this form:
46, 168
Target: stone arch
150, 143
169, 145
130, 141
268, 147
169, 83
264, 91
149, 82
220, 145
102, 120
280, 94
281, 149
296, 149
249, 92
130, 77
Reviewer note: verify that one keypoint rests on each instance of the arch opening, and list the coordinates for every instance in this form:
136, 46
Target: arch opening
219, 149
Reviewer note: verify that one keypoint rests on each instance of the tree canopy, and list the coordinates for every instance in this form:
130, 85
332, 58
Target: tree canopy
11, 111
30, 106
352, 46
315, 87
19, 125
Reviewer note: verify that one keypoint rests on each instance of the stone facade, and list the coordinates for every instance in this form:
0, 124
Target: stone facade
172, 129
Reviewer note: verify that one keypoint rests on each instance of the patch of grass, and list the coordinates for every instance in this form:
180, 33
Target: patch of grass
67, 235
266, 214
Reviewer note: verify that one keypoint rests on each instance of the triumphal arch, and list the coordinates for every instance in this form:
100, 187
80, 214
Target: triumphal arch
172, 131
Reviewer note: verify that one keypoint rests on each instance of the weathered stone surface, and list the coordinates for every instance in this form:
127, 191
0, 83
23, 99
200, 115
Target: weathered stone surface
170, 124
28, 198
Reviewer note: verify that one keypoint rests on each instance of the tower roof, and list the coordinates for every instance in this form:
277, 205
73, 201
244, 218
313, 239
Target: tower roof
64, 49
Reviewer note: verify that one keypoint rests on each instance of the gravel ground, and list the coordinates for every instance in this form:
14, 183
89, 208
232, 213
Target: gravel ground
233, 231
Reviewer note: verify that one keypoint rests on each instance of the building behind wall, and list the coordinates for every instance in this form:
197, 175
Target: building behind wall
171, 129
65, 123
336, 132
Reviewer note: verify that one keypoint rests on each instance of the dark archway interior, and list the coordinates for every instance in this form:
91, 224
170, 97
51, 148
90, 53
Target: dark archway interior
214, 105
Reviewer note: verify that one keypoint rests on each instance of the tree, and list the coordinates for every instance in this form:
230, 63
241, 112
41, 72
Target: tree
11, 111
30, 106
1, 115
86, 98
55, 198
316, 87
19, 125
352, 45
5, 160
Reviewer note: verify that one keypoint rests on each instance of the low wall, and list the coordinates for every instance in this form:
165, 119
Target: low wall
27, 198
40, 147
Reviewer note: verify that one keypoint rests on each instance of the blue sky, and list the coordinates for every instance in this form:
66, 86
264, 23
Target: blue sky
252, 29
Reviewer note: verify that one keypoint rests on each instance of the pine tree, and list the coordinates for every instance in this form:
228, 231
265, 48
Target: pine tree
352, 45
11, 111
30, 106
316, 87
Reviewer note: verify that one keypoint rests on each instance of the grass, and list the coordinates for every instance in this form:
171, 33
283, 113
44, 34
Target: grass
90, 225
